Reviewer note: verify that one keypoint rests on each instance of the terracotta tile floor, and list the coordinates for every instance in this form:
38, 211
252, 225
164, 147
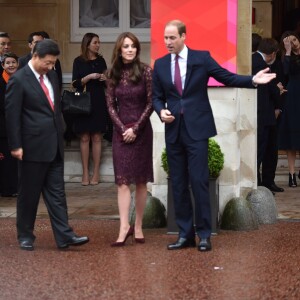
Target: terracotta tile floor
259, 264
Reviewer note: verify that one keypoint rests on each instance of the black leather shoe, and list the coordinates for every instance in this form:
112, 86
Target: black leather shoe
14, 195
274, 188
26, 245
204, 245
182, 243
75, 241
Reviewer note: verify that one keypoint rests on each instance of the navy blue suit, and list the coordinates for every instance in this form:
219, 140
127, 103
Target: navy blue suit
187, 136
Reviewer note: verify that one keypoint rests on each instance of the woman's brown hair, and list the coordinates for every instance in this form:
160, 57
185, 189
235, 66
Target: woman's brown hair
117, 64
86, 41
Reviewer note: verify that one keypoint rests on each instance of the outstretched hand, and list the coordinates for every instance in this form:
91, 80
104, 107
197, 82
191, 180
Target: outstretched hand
263, 76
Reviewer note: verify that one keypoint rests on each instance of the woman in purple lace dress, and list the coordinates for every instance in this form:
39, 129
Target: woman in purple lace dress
129, 103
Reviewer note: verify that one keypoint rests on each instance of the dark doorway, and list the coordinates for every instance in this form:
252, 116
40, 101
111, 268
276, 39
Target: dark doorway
286, 16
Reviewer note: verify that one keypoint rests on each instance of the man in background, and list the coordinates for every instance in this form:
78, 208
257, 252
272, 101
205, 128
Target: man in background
5, 46
268, 109
33, 38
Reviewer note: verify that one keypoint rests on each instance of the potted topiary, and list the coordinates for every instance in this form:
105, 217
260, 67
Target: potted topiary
215, 159
215, 166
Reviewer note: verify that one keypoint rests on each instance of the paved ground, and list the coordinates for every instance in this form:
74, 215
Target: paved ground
259, 264
100, 202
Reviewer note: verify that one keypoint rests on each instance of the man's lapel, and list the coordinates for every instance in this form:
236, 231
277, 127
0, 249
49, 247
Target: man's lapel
36, 85
189, 67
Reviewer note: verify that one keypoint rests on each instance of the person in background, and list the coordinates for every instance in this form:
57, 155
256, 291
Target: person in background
88, 71
289, 130
268, 110
256, 38
57, 66
33, 38
9, 165
5, 46
69, 134
129, 101
180, 99
35, 137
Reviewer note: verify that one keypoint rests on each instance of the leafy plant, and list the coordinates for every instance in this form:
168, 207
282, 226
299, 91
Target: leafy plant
215, 159
164, 161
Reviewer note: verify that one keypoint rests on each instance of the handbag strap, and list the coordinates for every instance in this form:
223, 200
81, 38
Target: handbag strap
72, 88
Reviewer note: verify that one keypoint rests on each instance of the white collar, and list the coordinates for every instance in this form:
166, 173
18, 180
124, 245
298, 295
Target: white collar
182, 54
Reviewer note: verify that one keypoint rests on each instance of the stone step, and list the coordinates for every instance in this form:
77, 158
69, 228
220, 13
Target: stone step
283, 162
73, 168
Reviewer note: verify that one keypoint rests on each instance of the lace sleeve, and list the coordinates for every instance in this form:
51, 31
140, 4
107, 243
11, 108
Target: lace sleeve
111, 102
149, 107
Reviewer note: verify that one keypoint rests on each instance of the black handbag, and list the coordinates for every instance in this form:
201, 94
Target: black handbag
76, 103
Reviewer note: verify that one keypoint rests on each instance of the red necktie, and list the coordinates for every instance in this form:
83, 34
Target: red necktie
46, 91
177, 77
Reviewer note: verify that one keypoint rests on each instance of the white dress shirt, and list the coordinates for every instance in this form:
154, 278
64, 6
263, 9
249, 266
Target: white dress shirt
46, 80
182, 61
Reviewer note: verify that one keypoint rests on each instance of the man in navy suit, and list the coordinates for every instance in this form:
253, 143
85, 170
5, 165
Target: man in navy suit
189, 123
35, 136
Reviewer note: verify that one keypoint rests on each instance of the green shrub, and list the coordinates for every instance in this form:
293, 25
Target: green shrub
215, 159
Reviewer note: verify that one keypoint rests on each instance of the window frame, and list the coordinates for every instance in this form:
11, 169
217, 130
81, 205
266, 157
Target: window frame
107, 34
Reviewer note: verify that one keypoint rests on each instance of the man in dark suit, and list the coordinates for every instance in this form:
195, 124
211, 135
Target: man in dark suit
268, 110
186, 110
35, 136
33, 38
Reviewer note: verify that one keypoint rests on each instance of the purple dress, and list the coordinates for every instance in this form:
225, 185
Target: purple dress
130, 105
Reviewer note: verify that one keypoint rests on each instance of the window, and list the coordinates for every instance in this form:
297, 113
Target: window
109, 18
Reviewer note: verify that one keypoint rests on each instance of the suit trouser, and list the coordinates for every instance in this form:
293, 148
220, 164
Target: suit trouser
45, 178
266, 154
269, 162
188, 163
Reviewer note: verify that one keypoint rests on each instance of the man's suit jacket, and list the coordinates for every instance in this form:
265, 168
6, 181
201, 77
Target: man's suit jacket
30, 121
268, 95
23, 60
194, 101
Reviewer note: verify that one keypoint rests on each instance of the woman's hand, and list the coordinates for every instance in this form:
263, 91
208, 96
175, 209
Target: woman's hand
94, 75
129, 136
102, 77
287, 45
87, 78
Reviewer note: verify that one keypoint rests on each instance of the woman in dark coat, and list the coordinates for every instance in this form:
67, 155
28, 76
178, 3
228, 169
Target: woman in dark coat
88, 70
289, 130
